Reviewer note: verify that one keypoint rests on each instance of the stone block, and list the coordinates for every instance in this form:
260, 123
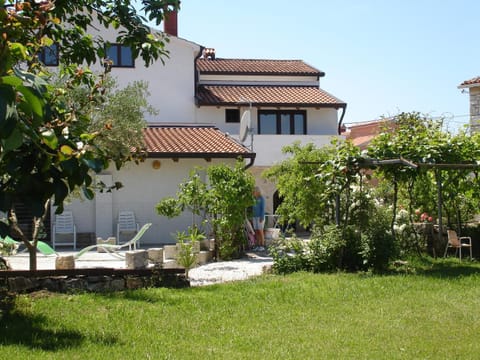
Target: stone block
203, 257
65, 262
21, 284
74, 284
170, 252
137, 259
134, 283
117, 285
98, 287
155, 255
207, 244
171, 264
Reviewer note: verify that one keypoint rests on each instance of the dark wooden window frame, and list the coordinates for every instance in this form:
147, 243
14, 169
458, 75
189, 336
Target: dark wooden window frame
120, 63
278, 114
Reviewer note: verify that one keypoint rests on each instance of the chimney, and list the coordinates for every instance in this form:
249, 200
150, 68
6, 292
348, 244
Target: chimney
209, 54
170, 22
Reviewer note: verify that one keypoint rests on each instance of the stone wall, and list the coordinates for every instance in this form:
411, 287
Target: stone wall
475, 109
109, 282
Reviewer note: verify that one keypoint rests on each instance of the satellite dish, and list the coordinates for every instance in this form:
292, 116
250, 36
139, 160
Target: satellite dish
245, 125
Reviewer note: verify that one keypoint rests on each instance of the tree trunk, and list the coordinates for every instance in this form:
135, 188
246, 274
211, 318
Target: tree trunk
30, 245
394, 215
33, 258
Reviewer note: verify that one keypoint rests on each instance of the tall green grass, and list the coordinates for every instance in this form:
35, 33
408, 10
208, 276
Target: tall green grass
430, 313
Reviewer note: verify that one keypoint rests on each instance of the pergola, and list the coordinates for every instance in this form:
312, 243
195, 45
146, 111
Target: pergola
371, 163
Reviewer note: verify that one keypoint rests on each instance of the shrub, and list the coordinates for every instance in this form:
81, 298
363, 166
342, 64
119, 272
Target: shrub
326, 248
289, 255
408, 240
379, 243
332, 248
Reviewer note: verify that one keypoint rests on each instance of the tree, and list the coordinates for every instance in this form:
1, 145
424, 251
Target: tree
311, 182
446, 165
297, 186
222, 202
47, 147
229, 197
122, 112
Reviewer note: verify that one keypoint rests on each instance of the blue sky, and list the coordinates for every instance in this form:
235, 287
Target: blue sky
380, 56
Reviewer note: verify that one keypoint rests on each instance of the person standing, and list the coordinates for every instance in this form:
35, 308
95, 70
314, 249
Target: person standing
259, 218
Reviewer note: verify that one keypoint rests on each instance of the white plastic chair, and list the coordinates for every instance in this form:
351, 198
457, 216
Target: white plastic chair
126, 225
115, 249
64, 225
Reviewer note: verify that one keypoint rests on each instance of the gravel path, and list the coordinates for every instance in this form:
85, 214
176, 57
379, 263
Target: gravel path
227, 271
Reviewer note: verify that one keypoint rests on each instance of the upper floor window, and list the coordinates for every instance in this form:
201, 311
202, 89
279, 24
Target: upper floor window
232, 115
49, 55
120, 55
283, 122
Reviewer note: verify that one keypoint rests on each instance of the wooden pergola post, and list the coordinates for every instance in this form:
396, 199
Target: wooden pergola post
438, 177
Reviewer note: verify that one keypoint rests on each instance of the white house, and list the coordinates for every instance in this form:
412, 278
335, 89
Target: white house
201, 99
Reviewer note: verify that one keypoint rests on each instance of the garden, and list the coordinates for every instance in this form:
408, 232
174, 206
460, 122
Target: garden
425, 311
369, 209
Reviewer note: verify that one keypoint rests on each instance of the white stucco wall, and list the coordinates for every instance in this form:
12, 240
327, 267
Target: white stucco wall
143, 188
171, 84
322, 121
268, 148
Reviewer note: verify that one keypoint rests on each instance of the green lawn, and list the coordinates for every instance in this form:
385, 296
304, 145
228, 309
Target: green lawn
433, 313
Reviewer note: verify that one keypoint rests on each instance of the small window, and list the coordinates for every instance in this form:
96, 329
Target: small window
49, 55
232, 115
120, 55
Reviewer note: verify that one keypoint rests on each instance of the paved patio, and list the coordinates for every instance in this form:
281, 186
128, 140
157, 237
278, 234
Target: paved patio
211, 273
89, 260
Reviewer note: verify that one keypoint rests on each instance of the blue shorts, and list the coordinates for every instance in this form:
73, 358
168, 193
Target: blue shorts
258, 223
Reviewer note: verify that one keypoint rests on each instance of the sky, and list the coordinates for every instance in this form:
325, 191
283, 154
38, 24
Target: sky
381, 57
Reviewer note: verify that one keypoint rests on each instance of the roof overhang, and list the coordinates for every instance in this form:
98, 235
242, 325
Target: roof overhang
267, 95
192, 142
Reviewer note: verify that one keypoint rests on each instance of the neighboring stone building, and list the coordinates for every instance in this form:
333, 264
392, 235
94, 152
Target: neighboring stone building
473, 86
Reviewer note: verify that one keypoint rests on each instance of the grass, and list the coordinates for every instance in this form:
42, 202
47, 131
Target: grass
429, 313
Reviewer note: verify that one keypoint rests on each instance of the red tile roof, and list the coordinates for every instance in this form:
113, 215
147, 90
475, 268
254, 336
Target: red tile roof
468, 83
363, 133
308, 96
256, 67
192, 142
